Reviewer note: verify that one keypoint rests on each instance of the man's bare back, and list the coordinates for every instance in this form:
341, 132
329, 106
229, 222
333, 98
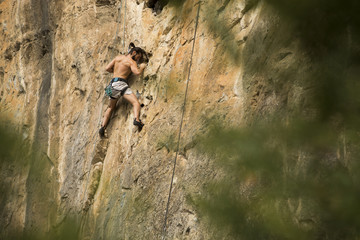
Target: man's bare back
122, 65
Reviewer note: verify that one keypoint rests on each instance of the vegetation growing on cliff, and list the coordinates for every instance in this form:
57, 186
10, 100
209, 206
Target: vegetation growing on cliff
295, 175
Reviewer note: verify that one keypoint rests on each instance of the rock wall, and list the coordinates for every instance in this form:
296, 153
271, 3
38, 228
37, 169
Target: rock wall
52, 72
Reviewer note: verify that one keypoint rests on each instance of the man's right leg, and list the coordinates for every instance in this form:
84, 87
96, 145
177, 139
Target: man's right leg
131, 98
107, 116
136, 106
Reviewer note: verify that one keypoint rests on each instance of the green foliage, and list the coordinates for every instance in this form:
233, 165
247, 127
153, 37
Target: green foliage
295, 175
321, 22
268, 165
17, 156
11, 146
13, 152
67, 231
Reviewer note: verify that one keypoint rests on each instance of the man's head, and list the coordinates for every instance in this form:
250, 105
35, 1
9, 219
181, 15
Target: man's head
136, 53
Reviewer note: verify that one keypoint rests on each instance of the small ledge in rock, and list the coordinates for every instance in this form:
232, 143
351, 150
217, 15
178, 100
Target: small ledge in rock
223, 98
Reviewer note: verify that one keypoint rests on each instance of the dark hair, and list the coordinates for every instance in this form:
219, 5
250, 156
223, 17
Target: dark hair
137, 50
143, 55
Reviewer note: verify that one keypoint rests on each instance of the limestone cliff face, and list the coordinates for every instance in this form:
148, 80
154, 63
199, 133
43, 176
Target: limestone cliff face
52, 73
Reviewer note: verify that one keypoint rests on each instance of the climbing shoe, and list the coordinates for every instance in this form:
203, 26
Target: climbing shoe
102, 132
139, 124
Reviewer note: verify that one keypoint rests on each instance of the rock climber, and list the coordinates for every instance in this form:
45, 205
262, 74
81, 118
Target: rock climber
121, 67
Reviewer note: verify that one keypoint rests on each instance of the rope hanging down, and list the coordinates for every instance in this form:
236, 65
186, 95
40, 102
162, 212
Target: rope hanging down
117, 25
124, 27
181, 122
102, 105
118, 21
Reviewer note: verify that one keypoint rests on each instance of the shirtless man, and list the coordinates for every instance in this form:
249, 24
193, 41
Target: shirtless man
121, 67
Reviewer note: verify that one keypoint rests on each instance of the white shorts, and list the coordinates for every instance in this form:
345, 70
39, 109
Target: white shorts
119, 88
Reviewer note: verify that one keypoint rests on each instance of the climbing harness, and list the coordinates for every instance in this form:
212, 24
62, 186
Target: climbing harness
181, 123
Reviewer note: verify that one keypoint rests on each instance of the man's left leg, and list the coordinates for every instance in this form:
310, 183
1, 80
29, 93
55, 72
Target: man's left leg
107, 116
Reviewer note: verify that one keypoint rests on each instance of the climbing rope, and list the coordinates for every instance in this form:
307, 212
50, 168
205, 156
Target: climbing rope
181, 123
124, 28
118, 21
